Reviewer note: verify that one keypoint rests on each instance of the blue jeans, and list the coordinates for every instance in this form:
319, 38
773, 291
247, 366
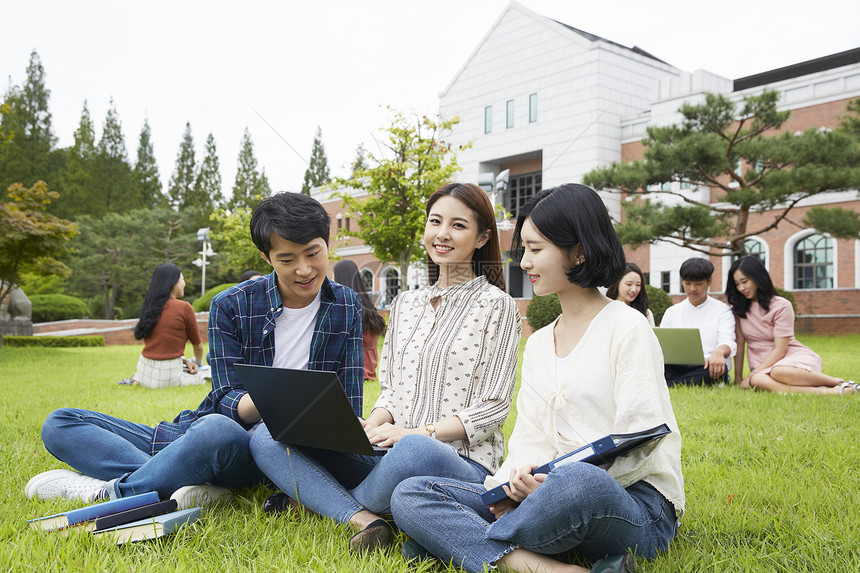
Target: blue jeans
579, 506
339, 485
213, 450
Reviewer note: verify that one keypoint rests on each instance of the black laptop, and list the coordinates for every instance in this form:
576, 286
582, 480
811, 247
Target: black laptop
306, 408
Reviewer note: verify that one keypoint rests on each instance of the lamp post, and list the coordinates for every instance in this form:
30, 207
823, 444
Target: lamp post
203, 236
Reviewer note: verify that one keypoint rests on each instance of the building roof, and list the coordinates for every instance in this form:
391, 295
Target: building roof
593, 38
800, 69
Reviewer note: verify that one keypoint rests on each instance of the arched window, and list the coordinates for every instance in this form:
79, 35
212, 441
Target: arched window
754, 248
392, 284
367, 279
813, 262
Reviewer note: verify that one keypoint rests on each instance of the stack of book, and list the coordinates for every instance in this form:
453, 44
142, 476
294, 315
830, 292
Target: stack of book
122, 520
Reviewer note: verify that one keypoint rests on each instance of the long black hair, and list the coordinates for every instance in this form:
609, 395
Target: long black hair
163, 279
754, 270
640, 303
346, 273
570, 215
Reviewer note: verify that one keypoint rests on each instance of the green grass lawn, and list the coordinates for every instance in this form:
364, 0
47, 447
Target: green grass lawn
772, 481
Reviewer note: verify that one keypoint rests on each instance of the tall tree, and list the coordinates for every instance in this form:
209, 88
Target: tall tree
360, 161
30, 238
317, 172
732, 155
181, 185
27, 158
250, 185
113, 188
207, 195
417, 160
80, 167
145, 174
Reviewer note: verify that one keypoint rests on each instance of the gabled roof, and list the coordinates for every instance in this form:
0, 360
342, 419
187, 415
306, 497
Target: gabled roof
800, 69
554, 24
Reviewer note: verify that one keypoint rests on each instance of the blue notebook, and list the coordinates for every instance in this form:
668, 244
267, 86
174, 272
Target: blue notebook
91, 512
597, 452
151, 527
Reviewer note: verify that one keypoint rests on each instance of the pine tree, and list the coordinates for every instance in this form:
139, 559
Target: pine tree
112, 179
80, 165
317, 172
146, 170
182, 181
85, 136
360, 161
207, 195
27, 157
250, 186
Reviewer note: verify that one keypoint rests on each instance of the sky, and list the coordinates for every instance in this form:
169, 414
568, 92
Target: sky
282, 68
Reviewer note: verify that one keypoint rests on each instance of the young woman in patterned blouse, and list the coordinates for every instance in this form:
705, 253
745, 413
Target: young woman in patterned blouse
446, 375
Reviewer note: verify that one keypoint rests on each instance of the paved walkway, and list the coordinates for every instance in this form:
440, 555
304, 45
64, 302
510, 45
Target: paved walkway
113, 331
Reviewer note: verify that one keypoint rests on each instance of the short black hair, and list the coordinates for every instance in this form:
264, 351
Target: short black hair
755, 270
293, 216
697, 269
570, 215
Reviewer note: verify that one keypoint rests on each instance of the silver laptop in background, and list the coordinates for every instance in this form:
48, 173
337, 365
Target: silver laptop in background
681, 345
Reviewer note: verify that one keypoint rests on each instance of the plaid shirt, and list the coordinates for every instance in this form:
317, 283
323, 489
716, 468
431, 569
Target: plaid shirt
242, 329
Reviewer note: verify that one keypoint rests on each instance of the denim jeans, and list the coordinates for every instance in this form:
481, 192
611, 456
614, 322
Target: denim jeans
339, 485
579, 506
213, 450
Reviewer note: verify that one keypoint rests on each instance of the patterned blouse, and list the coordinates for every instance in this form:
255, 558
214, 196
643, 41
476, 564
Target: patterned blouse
456, 360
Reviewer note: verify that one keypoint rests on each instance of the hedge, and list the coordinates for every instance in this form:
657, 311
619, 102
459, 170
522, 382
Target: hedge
54, 341
202, 304
658, 302
542, 310
51, 307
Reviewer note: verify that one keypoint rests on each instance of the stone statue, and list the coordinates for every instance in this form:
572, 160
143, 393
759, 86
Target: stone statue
16, 313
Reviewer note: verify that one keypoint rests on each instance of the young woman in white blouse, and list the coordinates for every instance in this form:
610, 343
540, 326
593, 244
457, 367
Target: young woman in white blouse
594, 371
446, 375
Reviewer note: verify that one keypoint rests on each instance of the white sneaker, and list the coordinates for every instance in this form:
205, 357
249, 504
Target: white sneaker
65, 483
198, 495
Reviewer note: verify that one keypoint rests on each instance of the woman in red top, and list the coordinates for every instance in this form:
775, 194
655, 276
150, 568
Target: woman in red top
372, 325
166, 324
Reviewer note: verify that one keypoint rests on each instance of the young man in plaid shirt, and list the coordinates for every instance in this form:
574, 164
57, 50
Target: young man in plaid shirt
293, 318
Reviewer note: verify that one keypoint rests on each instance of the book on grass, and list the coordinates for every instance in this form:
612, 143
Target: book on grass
136, 514
151, 527
597, 452
92, 512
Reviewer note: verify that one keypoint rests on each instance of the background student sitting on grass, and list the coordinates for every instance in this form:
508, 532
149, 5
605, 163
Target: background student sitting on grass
715, 322
295, 318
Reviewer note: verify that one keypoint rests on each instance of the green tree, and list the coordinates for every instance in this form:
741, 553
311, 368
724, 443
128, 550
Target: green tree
317, 173
181, 186
117, 253
731, 150
207, 195
360, 161
145, 174
28, 156
232, 241
417, 160
113, 188
250, 185
31, 239
80, 166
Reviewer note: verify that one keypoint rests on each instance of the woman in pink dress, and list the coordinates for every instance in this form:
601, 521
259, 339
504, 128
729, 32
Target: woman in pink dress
765, 325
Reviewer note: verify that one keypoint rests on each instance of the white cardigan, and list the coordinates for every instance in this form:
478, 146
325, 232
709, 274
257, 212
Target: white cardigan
617, 387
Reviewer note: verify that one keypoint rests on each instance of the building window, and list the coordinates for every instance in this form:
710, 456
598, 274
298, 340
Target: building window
532, 108
665, 281
813, 262
488, 119
753, 248
392, 284
509, 116
521, 189
347, 223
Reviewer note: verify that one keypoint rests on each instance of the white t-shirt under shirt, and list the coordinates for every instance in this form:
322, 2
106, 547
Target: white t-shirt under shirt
294, 329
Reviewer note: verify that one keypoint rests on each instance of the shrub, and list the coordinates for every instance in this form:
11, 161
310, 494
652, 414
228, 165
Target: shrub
202, 303
50, 307
542, 310
54, 341
658, 302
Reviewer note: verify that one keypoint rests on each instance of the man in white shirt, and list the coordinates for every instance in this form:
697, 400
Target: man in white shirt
715, 322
